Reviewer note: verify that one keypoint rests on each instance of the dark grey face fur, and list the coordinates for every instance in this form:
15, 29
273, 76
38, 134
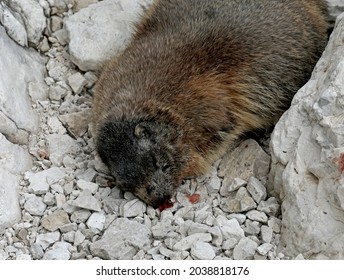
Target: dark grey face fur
141, 157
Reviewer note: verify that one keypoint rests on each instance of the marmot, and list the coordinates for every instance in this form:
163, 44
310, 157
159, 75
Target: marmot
196, 76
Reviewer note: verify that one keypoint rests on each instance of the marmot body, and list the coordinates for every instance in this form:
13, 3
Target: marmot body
197, 75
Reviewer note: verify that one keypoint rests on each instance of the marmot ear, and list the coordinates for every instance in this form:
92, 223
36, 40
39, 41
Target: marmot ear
141, 131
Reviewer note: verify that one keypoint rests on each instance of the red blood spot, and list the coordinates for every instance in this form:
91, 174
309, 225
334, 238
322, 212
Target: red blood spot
340, 162
194, 198
167, 204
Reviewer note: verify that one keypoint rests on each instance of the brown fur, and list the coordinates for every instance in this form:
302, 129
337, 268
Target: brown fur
197, 75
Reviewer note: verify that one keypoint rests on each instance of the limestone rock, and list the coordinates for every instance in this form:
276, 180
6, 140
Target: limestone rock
133, 208
60, 146
15, 75
188, 241
246, 160
9, 205
23, 20
41, 181
77, 123
59, 251
106, 27
308, 160
126, 238
55, 220
202, 251
230, 228
96, 222
87, 201
46, 239
13, 158
35, 205
245, 249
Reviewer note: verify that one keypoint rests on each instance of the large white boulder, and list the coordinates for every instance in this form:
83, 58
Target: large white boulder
308, 160
20, 69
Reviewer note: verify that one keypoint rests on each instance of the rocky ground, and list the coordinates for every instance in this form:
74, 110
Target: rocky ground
57, 200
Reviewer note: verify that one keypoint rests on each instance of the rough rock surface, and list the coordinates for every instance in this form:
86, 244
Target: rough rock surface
95, 22
16, 113
308, 160
23, 20
56, 192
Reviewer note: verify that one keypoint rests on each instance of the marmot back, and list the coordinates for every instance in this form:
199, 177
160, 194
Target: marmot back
197, 75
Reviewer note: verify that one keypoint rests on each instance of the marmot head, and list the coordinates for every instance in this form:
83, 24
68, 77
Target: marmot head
143, 156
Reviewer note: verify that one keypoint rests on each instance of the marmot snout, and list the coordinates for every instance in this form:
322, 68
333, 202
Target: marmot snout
197, 75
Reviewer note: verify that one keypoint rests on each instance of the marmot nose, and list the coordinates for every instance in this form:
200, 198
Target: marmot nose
165, 203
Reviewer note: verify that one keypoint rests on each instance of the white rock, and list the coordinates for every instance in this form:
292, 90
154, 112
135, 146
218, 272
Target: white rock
68, 227
239, 217
11, 131
36, 251
15, 75
241, 203
55, 220
96, 222
252, 228
106, 27
245, 249
264, 248
77, 82
214, 183
234, 185
335, 7
87, 201
125, 237
61, 145
80, 216
202, 251
80, 4
35, 205
69, 236
23, 257
270, 206
78, 238
229, 243
256, 189
247, 160
88, 186
230, 228
9, 204
14, 27
46, 239
307, 159
41, 181
59, 251
13, 158
55, 125
38, 91
88, 175
186, 242
77, 123
29, 15
133, 208
258, 216
57, 92
216, 233
266, 234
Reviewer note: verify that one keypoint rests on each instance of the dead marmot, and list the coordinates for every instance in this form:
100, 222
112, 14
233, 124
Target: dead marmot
197, 75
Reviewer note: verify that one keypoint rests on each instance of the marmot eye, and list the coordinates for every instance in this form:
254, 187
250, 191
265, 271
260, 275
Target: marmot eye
149, 189
164, 167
